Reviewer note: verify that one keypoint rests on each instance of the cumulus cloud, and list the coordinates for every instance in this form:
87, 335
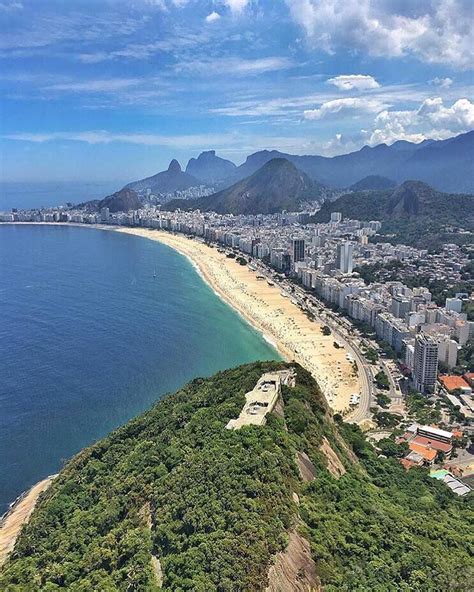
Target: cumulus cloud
214, 16
354, 105
354, 82
435, 32
431, 120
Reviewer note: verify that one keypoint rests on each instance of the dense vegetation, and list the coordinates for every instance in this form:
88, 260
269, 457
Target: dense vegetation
413, 214
214, 506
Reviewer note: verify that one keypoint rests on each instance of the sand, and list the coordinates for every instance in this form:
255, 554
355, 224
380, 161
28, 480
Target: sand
281, 322
17, 516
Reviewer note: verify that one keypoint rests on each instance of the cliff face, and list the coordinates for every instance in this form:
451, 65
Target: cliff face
174, 501
166, 182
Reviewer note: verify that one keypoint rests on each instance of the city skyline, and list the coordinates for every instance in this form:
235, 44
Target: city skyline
115, 90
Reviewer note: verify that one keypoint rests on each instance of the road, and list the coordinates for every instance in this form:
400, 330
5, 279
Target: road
308, 302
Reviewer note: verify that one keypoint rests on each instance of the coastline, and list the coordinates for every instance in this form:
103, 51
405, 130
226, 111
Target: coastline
18, 515
282, 324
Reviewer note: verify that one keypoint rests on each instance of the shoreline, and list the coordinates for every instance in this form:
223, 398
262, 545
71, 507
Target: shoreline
282, 324
18, 515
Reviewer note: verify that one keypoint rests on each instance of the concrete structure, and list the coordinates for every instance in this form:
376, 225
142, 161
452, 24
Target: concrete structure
297, 251
262, 399
344, 259
425, 364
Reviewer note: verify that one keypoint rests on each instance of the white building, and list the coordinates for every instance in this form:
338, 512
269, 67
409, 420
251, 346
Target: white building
425, 364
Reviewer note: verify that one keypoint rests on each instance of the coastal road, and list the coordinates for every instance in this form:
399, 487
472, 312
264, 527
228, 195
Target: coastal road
308, 301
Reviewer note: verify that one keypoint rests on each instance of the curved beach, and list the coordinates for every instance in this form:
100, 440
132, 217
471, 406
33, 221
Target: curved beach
282, 323
18, 515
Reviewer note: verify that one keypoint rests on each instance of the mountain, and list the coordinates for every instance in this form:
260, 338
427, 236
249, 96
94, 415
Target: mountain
414, 213
209, 168
166, 182
444, 164
277, 186
121, 201
373, 182
175, 501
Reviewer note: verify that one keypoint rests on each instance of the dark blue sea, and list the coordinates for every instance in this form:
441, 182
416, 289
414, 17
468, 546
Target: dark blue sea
37, 195
89, 339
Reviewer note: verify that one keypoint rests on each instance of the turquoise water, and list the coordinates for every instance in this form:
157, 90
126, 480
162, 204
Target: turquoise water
89, 339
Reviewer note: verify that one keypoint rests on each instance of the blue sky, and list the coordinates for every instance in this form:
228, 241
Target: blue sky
113, 89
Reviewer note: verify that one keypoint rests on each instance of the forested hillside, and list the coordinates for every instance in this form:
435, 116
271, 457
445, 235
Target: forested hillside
173, 498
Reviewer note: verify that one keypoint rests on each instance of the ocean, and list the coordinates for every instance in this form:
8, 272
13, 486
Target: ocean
37, 195
89, 339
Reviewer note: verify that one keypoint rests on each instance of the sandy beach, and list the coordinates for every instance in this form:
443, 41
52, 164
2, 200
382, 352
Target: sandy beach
18, 515
282, 323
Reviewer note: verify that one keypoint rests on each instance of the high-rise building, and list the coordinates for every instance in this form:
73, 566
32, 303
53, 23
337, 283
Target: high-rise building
336, 216
104, 214
400, 306
425, 363
344, 257
454, 304
298, 250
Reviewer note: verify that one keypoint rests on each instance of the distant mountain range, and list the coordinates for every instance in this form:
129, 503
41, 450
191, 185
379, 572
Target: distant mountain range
373, 182
166, 182
444, 164
278, 185
414, 213
209, 168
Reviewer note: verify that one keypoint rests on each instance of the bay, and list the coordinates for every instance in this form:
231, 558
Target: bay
89, 339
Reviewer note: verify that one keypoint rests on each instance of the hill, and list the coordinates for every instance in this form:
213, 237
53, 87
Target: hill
209, 168
174, 501
277, 186
165, 182
121, 201
444, 164
373, 182
414, 213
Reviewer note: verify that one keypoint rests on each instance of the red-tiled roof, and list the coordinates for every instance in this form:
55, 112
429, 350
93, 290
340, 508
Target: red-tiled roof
429, 442
451, 383
426, 452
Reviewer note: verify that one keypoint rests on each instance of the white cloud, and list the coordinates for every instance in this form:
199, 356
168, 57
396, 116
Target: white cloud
354, 82
431, 120
236, 6
433, 31
234, 66
353, 105
442, 82
95, 86
11, 6
214, 16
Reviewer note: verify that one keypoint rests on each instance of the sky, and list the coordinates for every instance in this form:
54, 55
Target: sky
97, 90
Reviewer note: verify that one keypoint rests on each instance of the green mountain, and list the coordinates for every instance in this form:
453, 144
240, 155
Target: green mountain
413, 213
373, 182
174, 501
121, 201
278, 185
